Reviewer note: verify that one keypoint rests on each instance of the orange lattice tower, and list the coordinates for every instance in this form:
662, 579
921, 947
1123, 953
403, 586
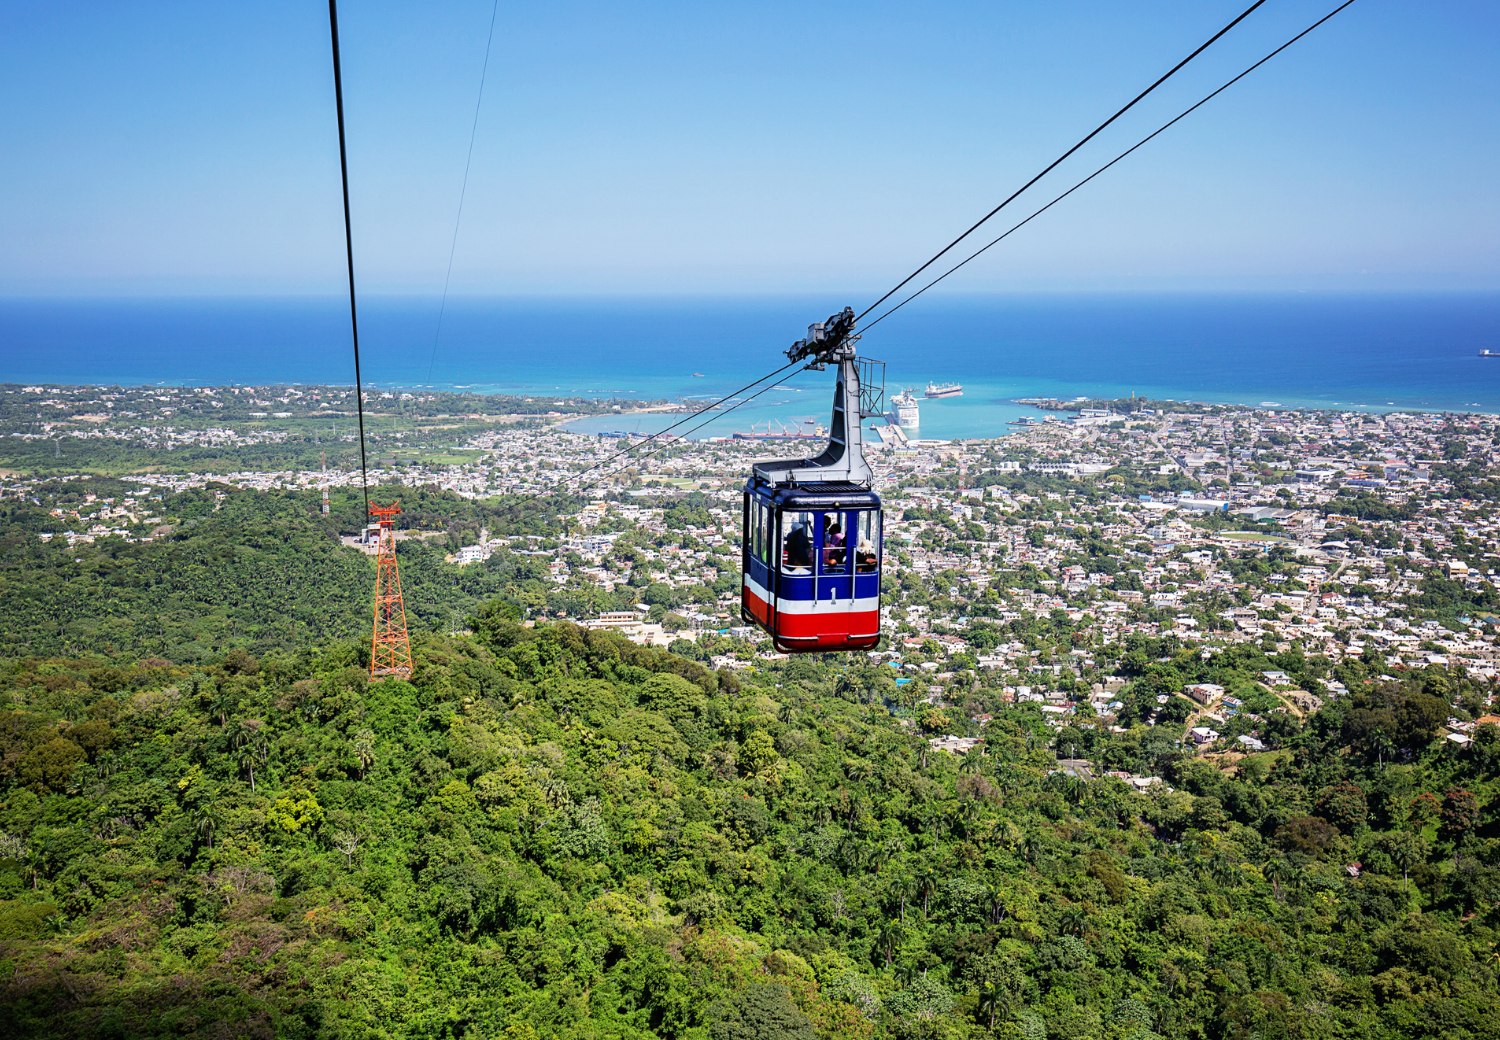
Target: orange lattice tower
390, 649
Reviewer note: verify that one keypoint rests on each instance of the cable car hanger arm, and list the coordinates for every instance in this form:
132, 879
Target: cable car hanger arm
831, 340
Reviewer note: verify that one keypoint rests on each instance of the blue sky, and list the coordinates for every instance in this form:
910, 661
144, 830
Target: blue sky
696, 148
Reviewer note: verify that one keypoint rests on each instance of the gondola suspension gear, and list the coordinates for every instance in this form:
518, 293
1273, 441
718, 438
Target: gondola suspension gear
811, 549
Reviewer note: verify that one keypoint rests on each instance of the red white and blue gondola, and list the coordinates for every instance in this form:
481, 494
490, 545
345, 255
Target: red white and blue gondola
812, 533
812, 568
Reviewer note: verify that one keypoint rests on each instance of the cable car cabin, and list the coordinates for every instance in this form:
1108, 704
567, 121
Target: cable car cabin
812, 541
812, 565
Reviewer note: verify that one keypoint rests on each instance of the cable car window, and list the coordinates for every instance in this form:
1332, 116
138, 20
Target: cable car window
867, 542
797, 543
757, 522
835, 551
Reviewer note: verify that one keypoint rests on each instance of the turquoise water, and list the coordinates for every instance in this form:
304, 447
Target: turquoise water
978, 413
1415, 351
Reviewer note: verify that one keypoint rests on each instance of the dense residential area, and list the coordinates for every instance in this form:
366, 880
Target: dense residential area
1017, 563
1184, 723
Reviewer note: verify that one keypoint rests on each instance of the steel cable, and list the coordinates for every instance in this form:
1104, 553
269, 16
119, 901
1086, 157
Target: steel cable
1056, 162
359, 395
463, 191
1165, 126
686, 419
695, 429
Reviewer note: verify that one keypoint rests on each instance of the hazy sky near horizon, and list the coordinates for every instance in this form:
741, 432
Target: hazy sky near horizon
665, 148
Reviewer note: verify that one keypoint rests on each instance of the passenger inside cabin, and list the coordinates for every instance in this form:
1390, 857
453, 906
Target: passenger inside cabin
865, 559
799, 547
833, 543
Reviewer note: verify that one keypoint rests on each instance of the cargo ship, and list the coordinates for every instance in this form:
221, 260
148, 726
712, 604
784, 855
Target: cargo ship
1487, 352
782, 432
904, 412
944, 390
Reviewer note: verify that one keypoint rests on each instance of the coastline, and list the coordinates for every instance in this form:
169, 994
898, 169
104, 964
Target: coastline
982, 413
1416, 352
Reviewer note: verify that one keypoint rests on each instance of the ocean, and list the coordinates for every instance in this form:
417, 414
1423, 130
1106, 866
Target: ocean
1354, 352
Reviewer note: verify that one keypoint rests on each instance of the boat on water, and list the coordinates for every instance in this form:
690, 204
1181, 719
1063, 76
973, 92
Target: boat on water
904, 411
944, 390
740, 435
1487, 352
810, 431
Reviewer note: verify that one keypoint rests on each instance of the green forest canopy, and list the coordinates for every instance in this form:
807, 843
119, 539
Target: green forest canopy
212, 824
553, 832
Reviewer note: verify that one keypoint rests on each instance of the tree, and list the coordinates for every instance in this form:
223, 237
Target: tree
364, 750
758, 751
1424, 808
51, 764
972, 762
759, 1012
892, 932
1279, 871
207, 821
252, 750
933, 719
347, 842
1309, 835
1074, 920
1460, 814
999, 982
1405, 850
1344, 806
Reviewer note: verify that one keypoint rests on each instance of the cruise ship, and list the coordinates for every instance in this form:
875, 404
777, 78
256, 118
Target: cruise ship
905, 411
945, 390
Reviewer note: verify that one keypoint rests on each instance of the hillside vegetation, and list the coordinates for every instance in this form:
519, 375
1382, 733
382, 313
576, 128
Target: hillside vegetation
236, 569
555, 833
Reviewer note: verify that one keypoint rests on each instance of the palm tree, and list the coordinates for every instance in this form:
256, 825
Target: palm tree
1348, 915
206, 821
1073, 920
364, 750
1406, 850
899, 887
973, 760
253, 750
927, 879
845, 683
1223, 870
36, 862
1278, 871
997, 981
891, 934
859, 769
222, 703
1384, 747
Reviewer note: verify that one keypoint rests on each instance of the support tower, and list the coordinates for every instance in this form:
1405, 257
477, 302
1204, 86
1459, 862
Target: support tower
390, 649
